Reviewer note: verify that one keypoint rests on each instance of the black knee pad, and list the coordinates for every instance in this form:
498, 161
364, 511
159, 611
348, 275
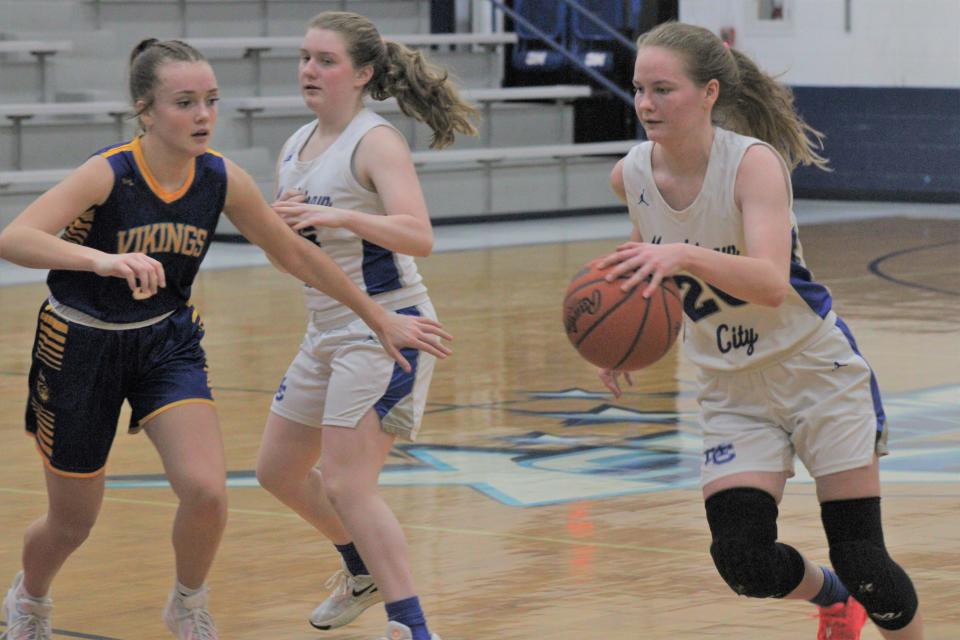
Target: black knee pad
860, 559
743, 523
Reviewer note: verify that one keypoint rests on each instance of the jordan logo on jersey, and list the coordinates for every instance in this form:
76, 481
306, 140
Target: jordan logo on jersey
642, 200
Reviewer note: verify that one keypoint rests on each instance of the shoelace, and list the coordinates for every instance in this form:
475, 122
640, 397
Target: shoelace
203, 627
338, 584
29, 626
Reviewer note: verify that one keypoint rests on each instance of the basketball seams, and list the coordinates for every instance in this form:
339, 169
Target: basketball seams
622, 337
636, 336
626, 296
674, 291
666, 312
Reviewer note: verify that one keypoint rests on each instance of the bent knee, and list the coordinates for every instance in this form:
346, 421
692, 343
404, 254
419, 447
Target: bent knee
877, 582
273, 476
758, 570
71, 532
209, 496
743, 524
860, 558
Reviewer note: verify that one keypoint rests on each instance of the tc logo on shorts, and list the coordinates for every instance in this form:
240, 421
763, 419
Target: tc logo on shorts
720, 454
281, 390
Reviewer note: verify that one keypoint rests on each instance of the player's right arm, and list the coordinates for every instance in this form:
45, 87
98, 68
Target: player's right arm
616, 184
31, 240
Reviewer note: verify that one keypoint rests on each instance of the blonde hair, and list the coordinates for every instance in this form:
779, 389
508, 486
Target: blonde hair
422, 89
750, 102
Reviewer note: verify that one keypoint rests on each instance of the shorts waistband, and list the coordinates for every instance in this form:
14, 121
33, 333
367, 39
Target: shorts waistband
79, 317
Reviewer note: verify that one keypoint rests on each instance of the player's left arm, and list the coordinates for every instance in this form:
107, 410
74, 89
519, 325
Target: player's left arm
382, 162
760, 274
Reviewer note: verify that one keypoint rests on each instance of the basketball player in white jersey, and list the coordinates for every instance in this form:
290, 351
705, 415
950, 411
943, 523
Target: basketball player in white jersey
780, 373
347, 182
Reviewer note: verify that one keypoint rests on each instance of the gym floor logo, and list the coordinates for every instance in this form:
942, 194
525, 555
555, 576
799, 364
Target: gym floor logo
584, 448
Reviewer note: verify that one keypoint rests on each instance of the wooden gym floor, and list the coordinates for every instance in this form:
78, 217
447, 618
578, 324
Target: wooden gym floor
535, 505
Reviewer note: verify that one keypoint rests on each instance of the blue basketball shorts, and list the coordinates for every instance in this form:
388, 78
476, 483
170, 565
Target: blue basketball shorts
80, 376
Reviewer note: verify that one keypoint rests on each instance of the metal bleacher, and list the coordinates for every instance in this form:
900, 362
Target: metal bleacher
526, 132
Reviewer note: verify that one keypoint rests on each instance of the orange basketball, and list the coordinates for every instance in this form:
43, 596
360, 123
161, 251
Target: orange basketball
620, 330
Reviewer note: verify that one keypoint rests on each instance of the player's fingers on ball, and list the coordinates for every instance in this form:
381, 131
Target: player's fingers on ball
655, 282
630, 283
606, 261
616, 271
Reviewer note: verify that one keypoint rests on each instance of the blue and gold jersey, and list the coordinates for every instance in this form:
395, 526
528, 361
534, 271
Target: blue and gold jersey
139, 216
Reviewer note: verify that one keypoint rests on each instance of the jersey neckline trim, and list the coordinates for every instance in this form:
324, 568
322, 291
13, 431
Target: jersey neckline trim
159, 191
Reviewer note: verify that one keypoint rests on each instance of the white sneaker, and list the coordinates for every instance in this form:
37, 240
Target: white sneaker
188, 618
27, 618
397, 631
351, 595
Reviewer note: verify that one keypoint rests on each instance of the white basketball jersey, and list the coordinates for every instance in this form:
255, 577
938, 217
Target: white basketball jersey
391, 278
722, 332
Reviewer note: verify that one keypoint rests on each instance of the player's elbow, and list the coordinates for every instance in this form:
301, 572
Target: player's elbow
423, 248
421, 244
775, 295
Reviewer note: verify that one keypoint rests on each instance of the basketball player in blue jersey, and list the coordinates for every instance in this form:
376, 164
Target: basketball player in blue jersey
710, 199
118, 326
346, 180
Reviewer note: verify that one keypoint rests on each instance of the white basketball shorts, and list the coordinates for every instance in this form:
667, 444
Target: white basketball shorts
341, 373
821, 404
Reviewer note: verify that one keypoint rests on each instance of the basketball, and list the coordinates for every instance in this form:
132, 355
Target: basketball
616, 329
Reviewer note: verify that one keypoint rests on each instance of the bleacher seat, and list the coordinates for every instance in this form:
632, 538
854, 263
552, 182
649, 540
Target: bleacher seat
592, 44
532, 53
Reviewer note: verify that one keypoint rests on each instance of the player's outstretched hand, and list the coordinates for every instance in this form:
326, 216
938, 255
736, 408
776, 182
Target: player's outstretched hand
143, 274
609, 379
424, 334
